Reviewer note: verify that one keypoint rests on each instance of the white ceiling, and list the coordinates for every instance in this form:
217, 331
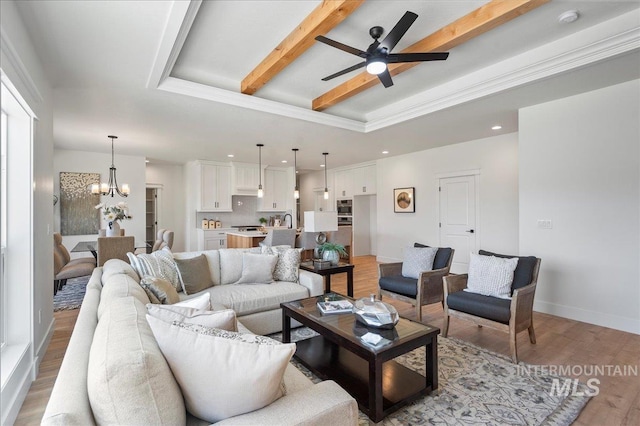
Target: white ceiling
102, 56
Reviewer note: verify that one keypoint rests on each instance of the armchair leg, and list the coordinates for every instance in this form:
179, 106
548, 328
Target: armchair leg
513, 345
445, 325
532, 334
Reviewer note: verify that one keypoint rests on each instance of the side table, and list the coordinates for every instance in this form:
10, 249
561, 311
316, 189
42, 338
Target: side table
331, 270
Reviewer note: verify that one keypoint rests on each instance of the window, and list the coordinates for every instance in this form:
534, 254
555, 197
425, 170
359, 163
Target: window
3, 226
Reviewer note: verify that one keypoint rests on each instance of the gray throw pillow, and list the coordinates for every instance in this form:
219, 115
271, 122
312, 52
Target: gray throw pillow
417, 260
491, 275
159, 289
194, 274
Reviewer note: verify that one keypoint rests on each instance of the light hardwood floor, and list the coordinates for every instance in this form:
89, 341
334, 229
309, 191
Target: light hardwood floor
560, 342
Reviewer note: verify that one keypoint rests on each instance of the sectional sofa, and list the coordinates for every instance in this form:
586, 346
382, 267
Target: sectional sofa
114, 371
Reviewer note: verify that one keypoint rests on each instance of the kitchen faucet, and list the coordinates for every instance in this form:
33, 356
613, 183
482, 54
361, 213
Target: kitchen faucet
284, 218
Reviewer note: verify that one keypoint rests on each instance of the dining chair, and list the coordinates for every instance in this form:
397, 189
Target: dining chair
164, 238
280, 237
114, 248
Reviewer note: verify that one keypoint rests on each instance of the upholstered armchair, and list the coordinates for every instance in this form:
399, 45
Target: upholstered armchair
64, 267
424, 290
509, 315
164, 238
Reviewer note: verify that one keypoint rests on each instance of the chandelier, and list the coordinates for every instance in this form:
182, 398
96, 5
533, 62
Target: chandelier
111, 188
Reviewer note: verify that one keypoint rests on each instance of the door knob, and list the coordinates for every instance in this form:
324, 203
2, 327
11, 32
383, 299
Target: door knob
471, 231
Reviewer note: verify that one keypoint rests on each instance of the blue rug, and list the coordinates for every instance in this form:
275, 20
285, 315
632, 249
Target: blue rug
71, 295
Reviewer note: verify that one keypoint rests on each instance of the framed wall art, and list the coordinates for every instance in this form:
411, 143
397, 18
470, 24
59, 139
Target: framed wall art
78, 215
404, 200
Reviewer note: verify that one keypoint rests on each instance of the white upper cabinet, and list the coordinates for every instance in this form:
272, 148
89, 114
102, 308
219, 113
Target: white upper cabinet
215, 187
364, 180
246, 178
276, 191
359, 180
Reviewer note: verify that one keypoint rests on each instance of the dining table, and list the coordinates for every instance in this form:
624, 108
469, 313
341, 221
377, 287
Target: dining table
92, 246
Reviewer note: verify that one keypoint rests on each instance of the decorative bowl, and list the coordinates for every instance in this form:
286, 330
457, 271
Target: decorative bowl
375, 313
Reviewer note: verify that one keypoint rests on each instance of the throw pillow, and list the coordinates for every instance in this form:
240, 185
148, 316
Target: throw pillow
417, 260
159, 264
257, 268
160, 290
248, 368
288, 262
194, 274
225, 319
491, 275
230, 265
202, 302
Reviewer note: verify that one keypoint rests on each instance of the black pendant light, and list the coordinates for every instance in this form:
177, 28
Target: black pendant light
326, 189
112, 187
296, 191
260, 191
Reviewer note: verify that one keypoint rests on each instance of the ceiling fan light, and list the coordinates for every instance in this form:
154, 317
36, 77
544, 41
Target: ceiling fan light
376, 67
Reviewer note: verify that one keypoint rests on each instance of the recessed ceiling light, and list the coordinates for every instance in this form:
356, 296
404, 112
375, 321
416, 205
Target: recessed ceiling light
284, 161
496, 127
321, 165
568, 17
230, 155
146, 161
385, 152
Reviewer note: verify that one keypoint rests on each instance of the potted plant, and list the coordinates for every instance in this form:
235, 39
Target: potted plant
112, 215
263, 223
332, 252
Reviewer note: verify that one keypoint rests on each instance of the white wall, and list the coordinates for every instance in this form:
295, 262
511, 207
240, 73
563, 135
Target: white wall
22, 66
171, 207
497, 160
129, 169
579, 168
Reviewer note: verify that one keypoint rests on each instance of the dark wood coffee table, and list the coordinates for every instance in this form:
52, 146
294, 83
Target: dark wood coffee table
379, 384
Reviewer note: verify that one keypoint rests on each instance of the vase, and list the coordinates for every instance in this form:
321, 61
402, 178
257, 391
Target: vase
113, 230
332, 256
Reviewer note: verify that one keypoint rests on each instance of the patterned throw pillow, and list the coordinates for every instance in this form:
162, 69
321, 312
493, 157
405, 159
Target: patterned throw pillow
159, 264
242, 362
417, 260
159, 289
491, 275
288, 262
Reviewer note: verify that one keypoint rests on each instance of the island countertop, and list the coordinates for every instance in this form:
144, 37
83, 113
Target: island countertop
246, 234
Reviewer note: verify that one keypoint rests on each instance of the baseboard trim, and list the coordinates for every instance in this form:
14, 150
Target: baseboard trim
16, 388
42, 349
629, 325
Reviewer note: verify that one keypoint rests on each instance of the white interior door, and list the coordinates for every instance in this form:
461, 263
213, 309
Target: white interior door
458, 228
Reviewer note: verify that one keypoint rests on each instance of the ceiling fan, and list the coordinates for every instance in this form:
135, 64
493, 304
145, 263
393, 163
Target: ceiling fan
378, 53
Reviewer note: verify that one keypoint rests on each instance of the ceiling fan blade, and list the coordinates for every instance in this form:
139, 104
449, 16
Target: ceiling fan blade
417, 57
385, 78
398, 31
344, 71
341, 46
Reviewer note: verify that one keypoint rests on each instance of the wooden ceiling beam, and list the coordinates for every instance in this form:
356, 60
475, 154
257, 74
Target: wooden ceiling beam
325, 17
481, 20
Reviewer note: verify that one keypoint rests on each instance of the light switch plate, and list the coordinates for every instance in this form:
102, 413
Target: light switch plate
545, 224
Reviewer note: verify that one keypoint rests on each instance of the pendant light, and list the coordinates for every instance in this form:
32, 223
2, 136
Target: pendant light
296, 191
111, 188
326, 189
260, 191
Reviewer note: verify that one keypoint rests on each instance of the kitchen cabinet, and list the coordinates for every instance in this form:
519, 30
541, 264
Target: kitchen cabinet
364, 180
343, 184
215, 188
212, 239
359, 180
246, 178
276, 191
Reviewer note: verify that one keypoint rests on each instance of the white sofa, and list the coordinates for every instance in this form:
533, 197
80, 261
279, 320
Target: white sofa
135, 383
257, 306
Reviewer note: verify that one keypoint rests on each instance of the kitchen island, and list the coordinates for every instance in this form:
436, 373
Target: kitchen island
244, 239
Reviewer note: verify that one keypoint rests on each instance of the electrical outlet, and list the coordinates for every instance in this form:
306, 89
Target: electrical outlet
545, 224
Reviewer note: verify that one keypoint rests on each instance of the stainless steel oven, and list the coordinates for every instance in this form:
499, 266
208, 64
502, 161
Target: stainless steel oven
345, 220
344, 207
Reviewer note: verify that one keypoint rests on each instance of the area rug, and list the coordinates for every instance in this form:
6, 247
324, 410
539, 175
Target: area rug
71, 295
476, 387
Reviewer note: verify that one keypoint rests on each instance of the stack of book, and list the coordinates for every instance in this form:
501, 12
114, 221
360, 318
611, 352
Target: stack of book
335, 307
